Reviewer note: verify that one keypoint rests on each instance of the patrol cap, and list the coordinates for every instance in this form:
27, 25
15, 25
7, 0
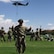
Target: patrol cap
20, 20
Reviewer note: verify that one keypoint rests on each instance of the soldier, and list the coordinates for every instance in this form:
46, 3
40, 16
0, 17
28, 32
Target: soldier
2, 32
37, 35
9, 34
32, 35
21, 33
49, 37
14, 33
40, 31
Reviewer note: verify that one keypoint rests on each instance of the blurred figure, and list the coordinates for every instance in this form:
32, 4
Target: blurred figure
32, 35
2, 32
14, 33
40, 31
9, 34
49, 37
37, 37
21, 33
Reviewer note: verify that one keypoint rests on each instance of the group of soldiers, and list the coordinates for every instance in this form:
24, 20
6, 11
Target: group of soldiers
18, 33
12, 33
36, 35
6, 36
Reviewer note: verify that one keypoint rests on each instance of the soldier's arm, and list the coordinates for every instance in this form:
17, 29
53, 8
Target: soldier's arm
15, 29
28, 29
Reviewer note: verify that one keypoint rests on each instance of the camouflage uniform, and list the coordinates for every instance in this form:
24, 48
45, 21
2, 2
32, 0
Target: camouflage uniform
9, 34
37, 35
2, 32
21, 33
32, 35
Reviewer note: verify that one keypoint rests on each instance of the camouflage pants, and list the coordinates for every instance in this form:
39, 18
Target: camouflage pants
2, 37
20, 45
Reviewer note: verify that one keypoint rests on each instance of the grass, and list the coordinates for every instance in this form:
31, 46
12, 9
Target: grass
33, 47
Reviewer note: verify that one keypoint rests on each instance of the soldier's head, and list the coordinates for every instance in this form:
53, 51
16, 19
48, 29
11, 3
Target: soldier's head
20, 21
32, 30
37, 29
2, 28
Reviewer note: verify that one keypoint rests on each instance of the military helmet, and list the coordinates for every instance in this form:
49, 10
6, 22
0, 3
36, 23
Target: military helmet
2, 27
20, 20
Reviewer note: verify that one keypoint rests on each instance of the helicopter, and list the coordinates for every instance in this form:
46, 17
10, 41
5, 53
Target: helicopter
19, 3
